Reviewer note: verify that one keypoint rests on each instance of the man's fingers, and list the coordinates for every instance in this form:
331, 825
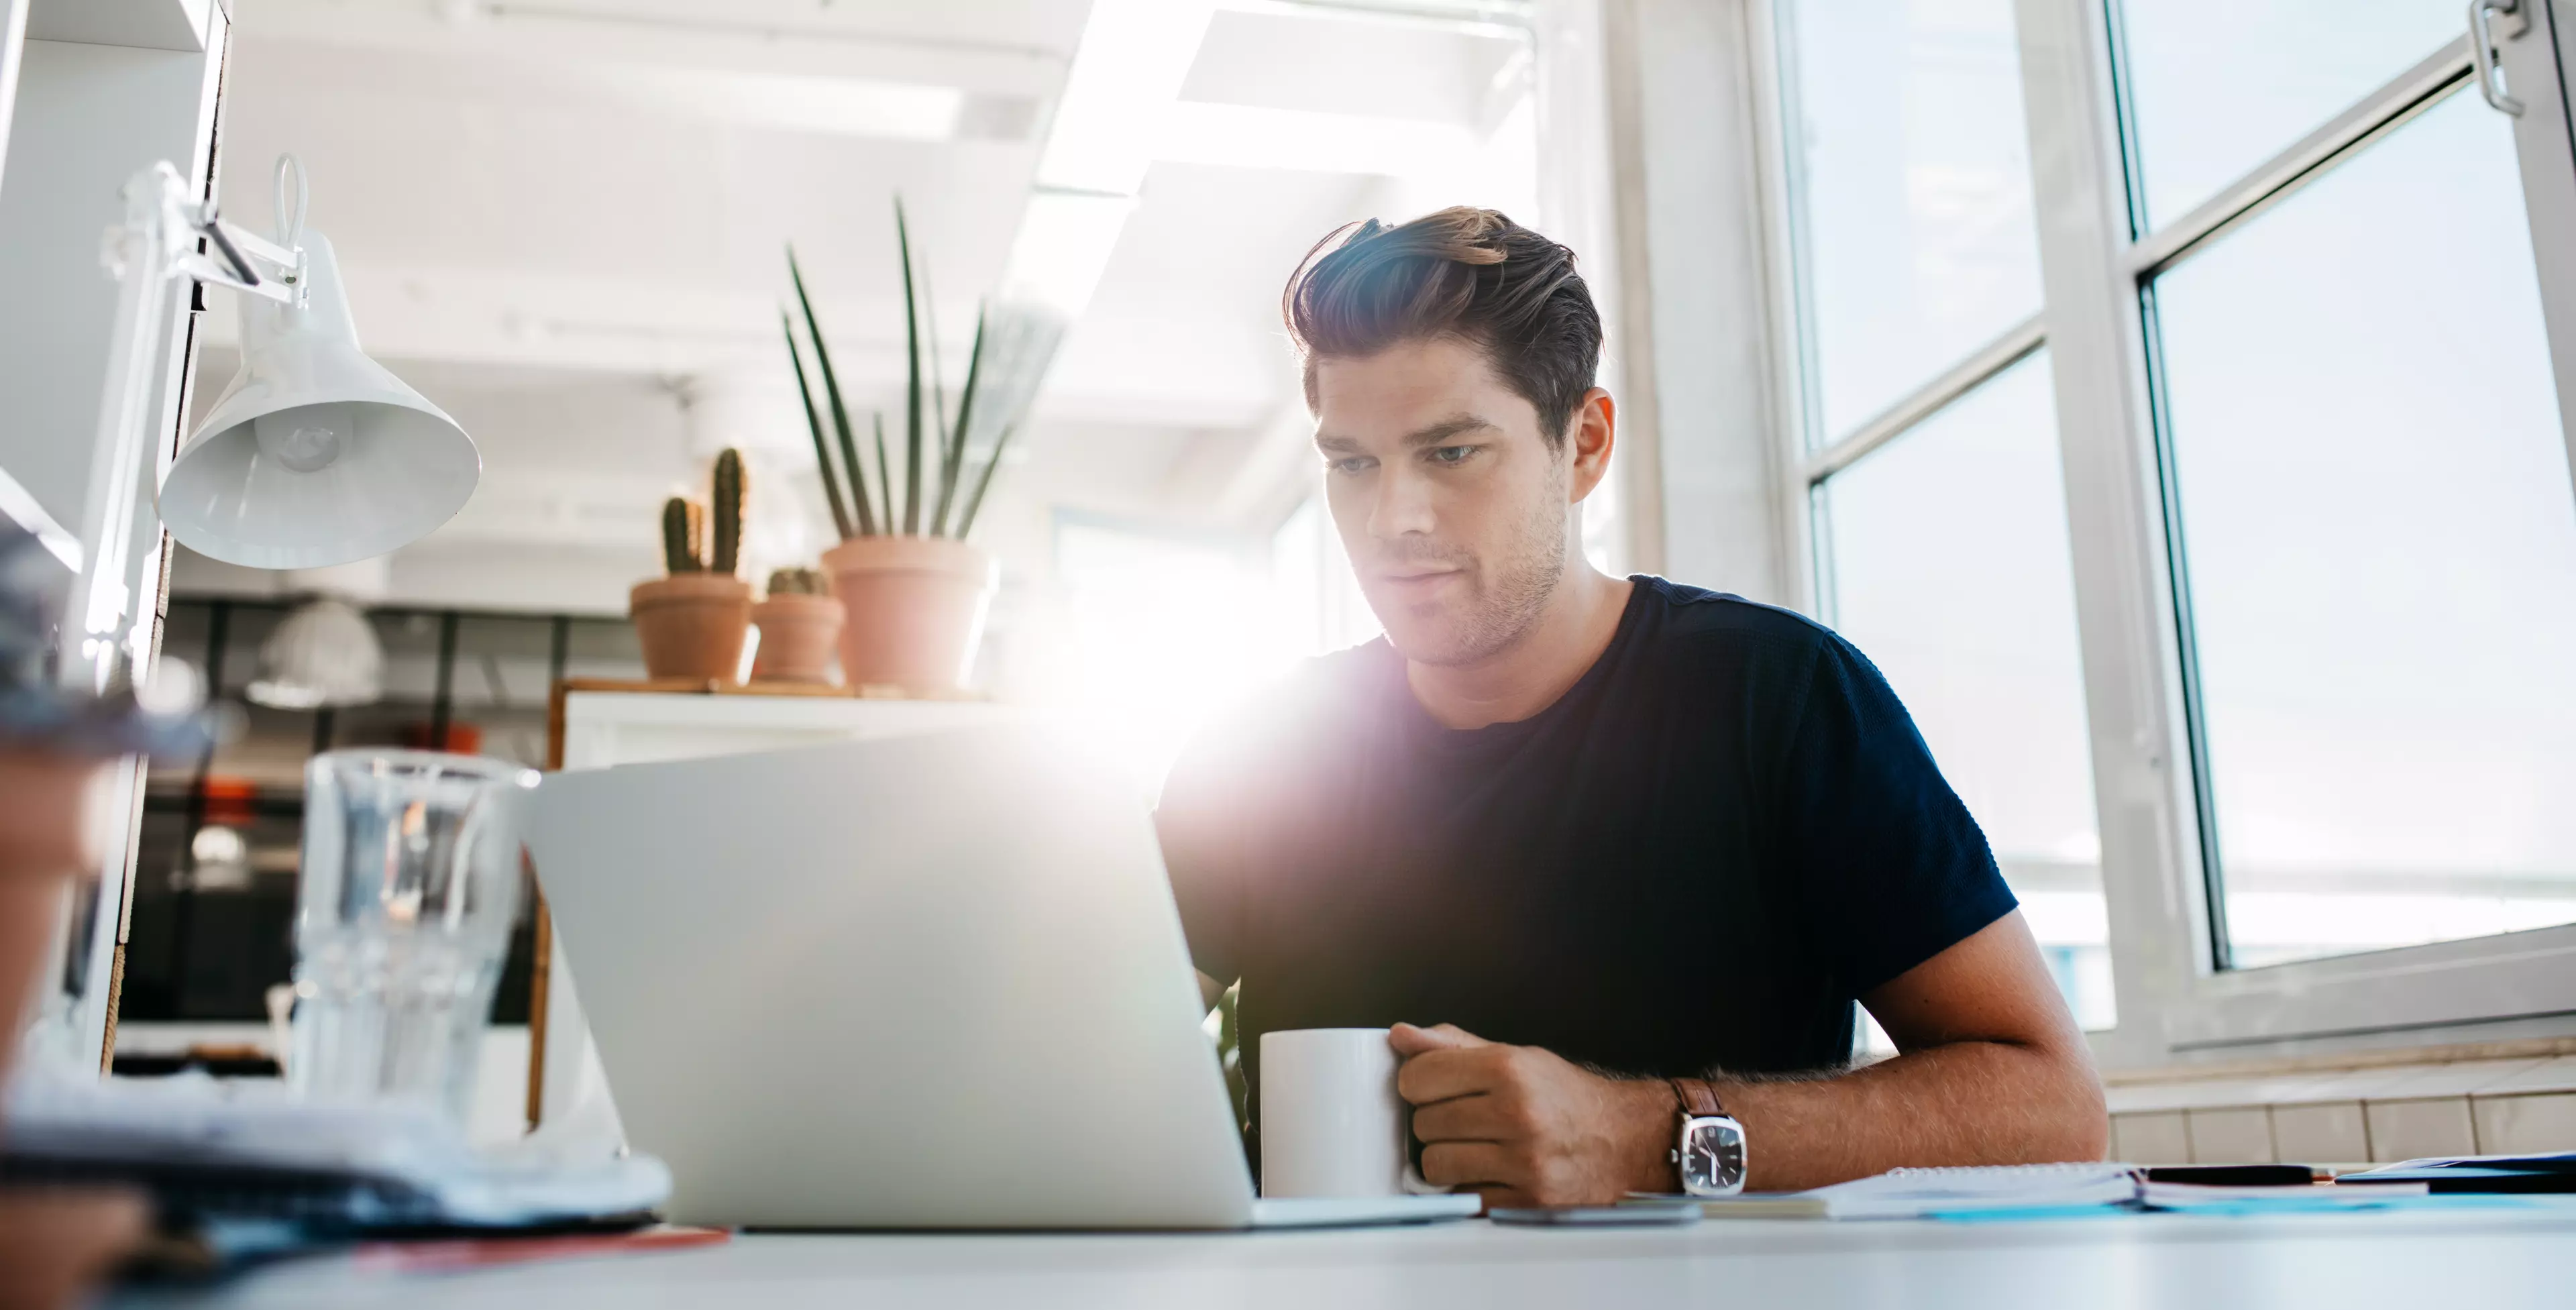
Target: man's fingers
1465, 1119
1468, 1164
1409, 1040
1439, 1075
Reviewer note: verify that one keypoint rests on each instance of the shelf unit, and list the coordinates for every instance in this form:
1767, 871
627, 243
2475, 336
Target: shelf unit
91, 93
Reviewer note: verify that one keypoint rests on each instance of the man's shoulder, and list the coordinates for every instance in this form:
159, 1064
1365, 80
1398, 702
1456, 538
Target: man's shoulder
1700, 625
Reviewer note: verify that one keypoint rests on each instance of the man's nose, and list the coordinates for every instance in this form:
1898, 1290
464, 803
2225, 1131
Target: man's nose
1402, 507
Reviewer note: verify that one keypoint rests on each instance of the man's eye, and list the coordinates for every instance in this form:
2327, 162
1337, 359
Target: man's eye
1351, 464
1451, 454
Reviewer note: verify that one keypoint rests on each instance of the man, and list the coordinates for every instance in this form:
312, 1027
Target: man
1573, 836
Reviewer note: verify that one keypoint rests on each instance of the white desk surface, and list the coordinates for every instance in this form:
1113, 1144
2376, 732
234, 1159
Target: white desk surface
2490, 1260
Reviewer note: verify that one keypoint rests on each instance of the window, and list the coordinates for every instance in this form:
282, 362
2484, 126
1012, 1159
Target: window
1950, 570
2382, 561
2175, 405
1941, 543
2215, 87
1912, 180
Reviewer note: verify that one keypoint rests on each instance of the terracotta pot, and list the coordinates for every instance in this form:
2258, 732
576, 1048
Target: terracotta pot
51, 807
916, 611
799, 638
692, 625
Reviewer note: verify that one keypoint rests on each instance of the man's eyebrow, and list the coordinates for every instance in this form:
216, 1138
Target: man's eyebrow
1430, 436
1445, 429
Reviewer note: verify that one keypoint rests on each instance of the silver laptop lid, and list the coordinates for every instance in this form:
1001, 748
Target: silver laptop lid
927, 982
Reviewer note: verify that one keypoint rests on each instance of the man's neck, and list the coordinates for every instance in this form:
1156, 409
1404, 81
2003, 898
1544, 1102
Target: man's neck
1529, 675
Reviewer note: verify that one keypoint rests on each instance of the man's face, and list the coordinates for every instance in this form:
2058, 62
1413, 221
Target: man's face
1451, 502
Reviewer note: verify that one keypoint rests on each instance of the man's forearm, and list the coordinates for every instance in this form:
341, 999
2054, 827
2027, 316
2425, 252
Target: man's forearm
1971, 1102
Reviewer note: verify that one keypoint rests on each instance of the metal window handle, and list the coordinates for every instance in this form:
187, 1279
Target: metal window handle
2482, 49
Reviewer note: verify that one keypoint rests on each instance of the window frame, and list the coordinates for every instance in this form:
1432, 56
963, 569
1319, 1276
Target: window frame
2176, 1002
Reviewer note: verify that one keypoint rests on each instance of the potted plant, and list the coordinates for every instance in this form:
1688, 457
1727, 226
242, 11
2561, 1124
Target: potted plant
800, 628
914, 590
693, 622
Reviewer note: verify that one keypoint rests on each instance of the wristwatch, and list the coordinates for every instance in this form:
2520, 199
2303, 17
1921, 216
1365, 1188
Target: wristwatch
1710, 1155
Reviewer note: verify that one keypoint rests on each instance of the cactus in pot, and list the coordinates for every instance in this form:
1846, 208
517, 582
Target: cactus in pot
682, 519
800, 629
693, 622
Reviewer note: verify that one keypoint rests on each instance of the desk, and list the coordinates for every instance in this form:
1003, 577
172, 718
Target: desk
2490, 1260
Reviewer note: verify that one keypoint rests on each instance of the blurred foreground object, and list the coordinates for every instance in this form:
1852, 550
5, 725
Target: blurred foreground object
55, 746
55, 1242
55, 749
38, 714
251, 1169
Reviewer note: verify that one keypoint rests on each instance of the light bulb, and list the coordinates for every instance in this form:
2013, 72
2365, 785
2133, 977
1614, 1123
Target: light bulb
307, 437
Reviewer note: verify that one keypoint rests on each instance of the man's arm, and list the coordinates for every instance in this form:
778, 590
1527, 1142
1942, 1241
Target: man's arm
1991, 1070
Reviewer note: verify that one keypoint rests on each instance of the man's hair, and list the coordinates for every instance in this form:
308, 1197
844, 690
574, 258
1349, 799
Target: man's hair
1468, 274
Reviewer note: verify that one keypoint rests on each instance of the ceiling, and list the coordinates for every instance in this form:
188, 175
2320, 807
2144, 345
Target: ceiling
565, 222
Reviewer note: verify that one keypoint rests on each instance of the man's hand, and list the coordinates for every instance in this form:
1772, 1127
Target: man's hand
1524, 1127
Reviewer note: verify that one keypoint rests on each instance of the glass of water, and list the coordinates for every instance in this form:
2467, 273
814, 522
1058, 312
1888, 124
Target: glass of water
409, 883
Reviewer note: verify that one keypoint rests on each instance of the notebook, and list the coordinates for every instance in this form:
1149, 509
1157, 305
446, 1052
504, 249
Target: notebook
1915, 1193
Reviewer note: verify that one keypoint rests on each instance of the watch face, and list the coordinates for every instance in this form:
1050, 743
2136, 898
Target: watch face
1712, 1157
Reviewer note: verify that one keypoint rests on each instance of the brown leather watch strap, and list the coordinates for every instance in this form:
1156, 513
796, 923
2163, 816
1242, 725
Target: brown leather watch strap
1698, 1099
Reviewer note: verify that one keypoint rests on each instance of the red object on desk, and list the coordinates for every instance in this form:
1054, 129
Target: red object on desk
438, 1254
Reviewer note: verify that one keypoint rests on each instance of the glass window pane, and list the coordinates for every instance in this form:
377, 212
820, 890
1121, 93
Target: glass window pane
2218, 86
2381, 547
1918, 242
1952, 572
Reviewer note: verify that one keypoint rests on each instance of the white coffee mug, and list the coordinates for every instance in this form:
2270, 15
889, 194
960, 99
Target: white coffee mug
1331, 1121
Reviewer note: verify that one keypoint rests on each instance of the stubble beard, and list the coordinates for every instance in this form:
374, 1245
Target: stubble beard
1501, 606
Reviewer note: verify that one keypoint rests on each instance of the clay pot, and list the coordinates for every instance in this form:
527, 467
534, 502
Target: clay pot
916, 611
799, 638
692, 625
50, 812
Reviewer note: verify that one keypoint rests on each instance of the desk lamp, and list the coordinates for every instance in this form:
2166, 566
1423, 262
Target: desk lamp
315, 454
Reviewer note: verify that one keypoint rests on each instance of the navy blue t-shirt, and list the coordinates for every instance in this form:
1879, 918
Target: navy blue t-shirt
1696, 860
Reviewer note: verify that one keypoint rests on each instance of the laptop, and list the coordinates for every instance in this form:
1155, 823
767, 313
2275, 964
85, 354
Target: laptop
930, 982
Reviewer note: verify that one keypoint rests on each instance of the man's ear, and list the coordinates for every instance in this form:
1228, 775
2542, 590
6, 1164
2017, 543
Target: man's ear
1589, 437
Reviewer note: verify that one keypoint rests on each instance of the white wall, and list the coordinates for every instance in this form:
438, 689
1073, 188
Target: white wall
1691, 303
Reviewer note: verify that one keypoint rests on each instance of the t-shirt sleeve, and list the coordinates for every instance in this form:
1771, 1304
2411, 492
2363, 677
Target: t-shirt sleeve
1891, 868
1200, 823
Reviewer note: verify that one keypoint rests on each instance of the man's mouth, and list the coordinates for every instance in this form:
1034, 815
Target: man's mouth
1417, 578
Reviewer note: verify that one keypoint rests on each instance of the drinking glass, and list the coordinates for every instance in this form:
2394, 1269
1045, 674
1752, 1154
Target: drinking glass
410, 880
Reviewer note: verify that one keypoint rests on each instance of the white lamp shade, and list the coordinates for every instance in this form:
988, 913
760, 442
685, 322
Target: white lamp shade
323, 655
315, 455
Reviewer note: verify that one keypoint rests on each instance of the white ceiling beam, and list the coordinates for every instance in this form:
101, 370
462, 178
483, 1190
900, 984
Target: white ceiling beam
843, 84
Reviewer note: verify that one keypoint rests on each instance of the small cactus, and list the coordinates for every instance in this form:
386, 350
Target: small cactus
725, 546
682, 522
799, 582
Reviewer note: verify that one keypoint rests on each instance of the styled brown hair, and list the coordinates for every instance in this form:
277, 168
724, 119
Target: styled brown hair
1469, 274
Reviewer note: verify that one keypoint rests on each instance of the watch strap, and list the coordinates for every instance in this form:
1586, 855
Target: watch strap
1698, 1099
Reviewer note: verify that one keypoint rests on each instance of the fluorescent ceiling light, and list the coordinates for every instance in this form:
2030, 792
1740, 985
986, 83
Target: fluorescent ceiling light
1125, 76
842, 106
1202, 132
1127, 71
